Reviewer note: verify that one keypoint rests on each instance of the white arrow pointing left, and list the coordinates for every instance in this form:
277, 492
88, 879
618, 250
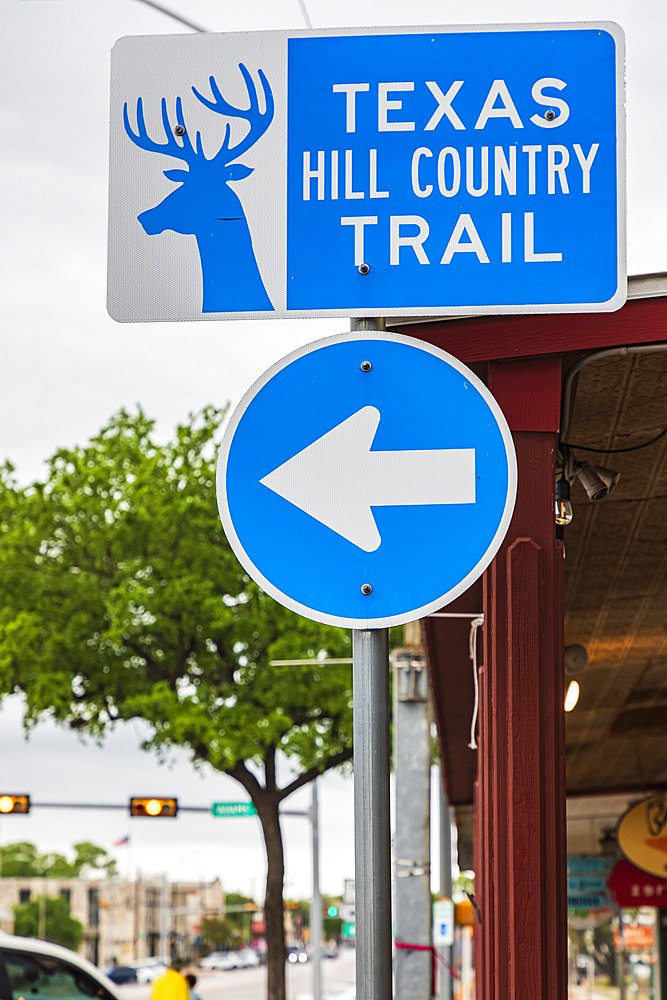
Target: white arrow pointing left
337, 479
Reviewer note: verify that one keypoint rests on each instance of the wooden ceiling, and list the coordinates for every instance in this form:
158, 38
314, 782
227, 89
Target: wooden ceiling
616, 579
615, 568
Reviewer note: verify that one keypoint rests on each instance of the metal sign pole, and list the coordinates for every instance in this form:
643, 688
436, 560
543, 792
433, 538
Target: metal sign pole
371, 813
332, 476
444, 975
372, 833
316, 908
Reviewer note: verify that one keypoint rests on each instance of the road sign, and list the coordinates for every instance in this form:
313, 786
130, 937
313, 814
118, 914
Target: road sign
349, 930
233, 809
443, 923
366, 480
346, 912
365, 172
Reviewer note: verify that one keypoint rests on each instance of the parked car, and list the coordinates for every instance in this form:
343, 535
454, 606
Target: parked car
123, 974
220, 960
149, 969
50, 972
247, 958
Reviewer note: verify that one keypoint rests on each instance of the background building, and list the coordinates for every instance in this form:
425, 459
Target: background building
124, 920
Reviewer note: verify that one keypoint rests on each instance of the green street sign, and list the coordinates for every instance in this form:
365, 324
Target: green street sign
349, 930
233, 809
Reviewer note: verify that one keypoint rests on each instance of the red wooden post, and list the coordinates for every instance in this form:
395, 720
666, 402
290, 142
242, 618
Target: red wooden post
520, 811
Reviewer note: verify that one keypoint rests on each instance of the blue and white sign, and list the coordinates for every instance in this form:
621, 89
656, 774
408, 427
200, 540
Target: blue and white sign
393, 172
588, 901
586, 883
366, 480
590, 865
443, 923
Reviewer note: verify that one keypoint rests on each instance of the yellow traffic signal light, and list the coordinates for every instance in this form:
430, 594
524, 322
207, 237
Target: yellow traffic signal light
14, 804
153, 806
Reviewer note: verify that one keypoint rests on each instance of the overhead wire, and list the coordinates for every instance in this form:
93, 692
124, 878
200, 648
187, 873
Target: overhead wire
615, 451
304, 13
610, 352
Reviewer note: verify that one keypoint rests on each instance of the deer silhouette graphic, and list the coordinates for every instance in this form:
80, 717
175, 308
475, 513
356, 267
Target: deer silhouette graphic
204, 204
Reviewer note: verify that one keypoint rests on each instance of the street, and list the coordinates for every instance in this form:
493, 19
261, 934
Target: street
250, 984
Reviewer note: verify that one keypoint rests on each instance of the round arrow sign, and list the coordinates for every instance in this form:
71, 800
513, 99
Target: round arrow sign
366, 480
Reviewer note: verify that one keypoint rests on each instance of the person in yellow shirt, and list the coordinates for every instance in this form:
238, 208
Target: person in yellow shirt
172, 985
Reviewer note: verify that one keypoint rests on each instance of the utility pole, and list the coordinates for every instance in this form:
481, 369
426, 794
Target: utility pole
111, 922
316, 906
164, 917
444, 975
412, 757
136, 914
620, 956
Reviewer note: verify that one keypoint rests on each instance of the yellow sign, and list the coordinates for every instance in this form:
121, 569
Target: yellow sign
464, 914
642, 835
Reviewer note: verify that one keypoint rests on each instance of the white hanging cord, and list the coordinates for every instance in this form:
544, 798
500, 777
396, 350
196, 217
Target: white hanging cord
475, 624
455, 614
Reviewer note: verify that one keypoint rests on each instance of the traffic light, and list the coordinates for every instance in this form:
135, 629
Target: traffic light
14, 804
332, 911
153, 806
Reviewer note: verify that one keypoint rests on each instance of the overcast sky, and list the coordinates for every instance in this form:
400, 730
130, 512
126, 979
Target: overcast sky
66, 366
54, 765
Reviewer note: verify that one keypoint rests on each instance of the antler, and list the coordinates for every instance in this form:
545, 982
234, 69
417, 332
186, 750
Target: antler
171, 147
258, 122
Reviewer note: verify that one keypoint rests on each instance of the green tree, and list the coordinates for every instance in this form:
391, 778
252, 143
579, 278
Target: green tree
49, 918
90, 859
240, 912
218, 933
22, 860
120, 598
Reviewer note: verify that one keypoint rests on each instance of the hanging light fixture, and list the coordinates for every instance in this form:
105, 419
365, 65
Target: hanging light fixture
572, 696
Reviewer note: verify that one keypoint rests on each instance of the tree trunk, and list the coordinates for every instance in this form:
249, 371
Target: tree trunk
273, 904
267, 799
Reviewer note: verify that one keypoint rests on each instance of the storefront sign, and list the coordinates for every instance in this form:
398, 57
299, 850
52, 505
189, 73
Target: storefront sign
630, 886
642, 835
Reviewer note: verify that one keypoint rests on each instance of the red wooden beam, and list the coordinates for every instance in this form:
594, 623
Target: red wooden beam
642, 321
520, 810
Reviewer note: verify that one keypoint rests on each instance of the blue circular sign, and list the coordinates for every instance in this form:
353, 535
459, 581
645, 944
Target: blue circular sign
366, 480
